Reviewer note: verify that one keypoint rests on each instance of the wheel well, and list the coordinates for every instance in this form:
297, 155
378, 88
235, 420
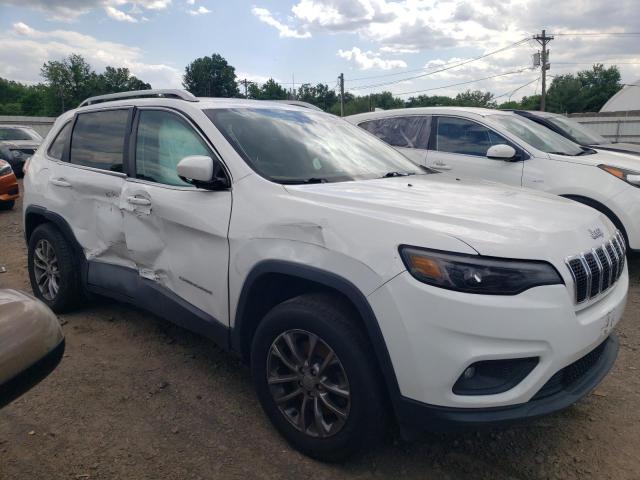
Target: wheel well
602, 209
31, 222
271, 289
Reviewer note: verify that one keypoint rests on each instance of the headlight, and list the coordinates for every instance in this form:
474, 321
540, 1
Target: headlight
628, 176
5, 168
477, 274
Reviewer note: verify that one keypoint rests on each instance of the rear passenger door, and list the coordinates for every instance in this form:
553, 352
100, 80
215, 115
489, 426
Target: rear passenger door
86, 179
408, 134
176, 234
459, 145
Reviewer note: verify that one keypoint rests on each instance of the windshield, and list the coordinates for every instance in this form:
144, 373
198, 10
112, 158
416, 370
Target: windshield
294, 146
579, 133
15, 133
537, 136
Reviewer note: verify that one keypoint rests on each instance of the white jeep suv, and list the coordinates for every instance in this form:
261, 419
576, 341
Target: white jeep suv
359, 287
505, 147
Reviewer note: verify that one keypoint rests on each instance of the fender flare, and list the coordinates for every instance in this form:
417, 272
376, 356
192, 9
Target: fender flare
334, 282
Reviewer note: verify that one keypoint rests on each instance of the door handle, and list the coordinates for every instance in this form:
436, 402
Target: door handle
59, 182
139, 201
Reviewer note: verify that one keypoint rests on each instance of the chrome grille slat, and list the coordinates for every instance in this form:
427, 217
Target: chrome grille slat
595, 271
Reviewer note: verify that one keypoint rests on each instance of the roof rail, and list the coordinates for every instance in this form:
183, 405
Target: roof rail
167, 93
299, 103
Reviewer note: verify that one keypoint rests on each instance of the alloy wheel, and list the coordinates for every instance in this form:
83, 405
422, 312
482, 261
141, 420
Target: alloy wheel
45, 268
308, 383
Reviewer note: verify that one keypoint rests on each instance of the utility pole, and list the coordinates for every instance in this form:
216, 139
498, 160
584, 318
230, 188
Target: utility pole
341, 80
244, 82
544, 64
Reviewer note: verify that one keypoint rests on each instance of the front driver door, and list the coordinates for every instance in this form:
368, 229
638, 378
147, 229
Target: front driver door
176, 234
459, 145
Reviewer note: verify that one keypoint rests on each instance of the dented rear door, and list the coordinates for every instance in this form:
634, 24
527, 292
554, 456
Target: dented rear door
176, 234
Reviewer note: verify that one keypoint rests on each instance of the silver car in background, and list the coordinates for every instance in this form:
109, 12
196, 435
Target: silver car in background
17, 144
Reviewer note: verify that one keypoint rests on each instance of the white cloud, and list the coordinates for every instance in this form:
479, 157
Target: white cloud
265, 16
201, 10
368, 60
24, 49
119, 15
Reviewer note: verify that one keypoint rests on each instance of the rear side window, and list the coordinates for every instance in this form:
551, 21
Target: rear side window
458, 135
98, 139
407, 132
162, 140
56, 149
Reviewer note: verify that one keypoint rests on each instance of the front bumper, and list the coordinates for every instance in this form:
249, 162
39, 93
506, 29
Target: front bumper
433, 335
415, 416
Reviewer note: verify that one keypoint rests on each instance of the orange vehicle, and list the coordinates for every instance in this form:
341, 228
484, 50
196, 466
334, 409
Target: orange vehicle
9, 189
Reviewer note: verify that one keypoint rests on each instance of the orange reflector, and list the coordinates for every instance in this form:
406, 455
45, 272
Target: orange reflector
425, 266
614, 171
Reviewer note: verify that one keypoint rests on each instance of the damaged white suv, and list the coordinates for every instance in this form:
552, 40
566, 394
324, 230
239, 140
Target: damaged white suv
360, 288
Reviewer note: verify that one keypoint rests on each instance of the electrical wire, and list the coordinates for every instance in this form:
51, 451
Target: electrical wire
465, 83
459, 64
510, 93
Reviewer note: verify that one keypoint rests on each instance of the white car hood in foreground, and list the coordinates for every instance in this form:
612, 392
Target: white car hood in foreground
494, 219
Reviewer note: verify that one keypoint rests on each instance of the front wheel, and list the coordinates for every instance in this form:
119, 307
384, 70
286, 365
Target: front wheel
316, 379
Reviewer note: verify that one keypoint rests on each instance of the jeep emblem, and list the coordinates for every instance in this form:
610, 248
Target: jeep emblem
596, 233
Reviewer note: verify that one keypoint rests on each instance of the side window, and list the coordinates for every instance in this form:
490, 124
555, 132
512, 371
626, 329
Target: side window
56, 149
407, 132
98, 139
162, 140
458, 135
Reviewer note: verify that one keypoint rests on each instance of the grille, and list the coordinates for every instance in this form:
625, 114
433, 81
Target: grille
595, 271
571, 374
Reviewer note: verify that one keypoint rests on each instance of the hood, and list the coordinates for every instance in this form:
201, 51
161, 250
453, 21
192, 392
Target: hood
608, 157
493, 219
632, 148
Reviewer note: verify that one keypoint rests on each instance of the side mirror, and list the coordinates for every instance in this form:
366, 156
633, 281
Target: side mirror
32, 343
501, 152
203, 172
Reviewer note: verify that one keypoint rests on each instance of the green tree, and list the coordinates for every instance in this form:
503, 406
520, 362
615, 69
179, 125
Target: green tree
430, 101
475, 98
565, 95
320, 95
598, 85
71, 80
270, 90
211, 77
114, 80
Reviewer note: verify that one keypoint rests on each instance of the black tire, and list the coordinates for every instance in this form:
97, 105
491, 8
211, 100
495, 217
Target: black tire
332, 321
7, 205
69, 294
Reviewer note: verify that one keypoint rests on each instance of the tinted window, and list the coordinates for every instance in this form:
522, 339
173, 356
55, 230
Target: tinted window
98, 139
577, 132
162, 140
457, 135
295, 146
57, 146
408, 132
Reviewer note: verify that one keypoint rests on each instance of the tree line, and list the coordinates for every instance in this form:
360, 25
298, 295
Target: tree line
68, 81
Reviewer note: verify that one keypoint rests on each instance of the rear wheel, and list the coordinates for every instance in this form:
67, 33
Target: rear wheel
316, 377
53, 270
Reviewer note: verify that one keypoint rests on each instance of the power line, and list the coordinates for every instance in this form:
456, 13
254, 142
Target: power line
459, 64
596, 62
465, 83
510, 93
594, 34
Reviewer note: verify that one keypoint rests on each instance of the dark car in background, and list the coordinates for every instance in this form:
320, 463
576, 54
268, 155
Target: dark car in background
578, 133
17, 144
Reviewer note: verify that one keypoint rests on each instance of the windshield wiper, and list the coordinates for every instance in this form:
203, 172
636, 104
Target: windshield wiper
301, 181
397, 174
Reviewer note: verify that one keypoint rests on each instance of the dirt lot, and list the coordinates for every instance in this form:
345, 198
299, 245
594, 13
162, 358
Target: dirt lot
138, 398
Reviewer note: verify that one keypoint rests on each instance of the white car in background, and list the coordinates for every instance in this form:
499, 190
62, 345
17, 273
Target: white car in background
504, 147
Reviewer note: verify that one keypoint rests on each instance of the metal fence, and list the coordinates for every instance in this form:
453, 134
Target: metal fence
614, 126
42, 125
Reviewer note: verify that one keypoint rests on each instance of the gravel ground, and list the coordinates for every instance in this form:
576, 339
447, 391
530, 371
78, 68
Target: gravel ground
136, 397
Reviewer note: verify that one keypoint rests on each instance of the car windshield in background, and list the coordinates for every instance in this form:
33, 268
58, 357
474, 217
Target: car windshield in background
13, 133
537, 136
583, 135
293, 146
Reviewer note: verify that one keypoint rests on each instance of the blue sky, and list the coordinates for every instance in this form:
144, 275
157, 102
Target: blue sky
315, 40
